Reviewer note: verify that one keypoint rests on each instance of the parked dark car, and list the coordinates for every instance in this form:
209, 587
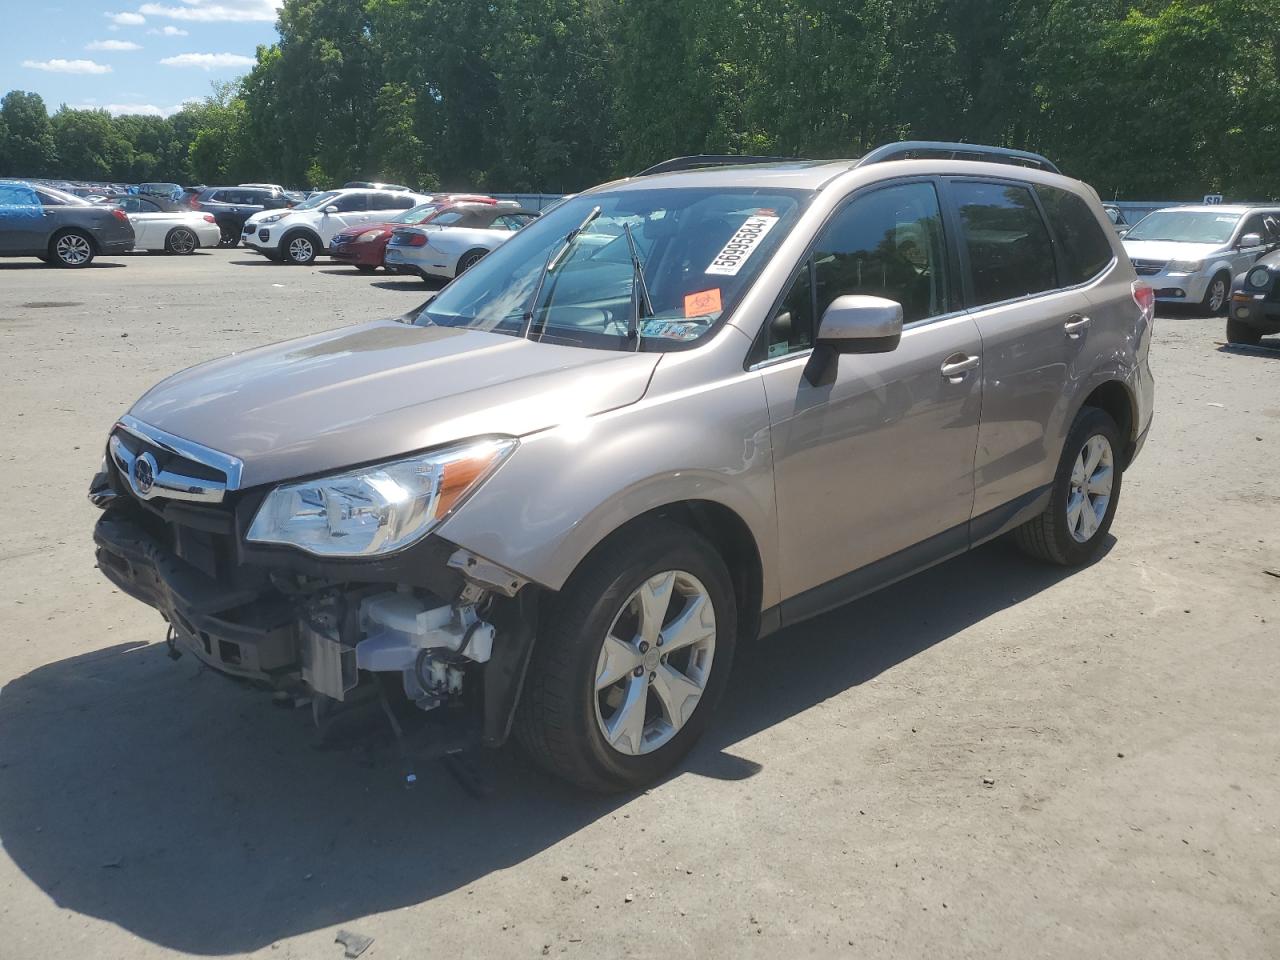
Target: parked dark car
59, 228
232, 206
1255, 302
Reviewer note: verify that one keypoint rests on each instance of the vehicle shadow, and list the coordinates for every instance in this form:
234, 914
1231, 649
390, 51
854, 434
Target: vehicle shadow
39, 265
186, 809
410, 283
1267, 348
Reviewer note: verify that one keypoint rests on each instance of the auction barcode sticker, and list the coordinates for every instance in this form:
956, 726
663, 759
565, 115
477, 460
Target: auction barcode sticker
741, 245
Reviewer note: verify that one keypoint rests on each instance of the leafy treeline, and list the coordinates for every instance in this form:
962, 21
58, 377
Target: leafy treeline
1143, 98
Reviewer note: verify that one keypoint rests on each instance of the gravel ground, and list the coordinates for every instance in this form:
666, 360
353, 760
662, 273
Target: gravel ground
992, 759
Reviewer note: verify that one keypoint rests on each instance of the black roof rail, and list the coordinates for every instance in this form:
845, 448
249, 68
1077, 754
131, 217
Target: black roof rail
957, 151
702, 160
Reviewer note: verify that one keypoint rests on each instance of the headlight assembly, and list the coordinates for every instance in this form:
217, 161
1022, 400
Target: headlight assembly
275, 217
376, 509
1260, 277
1186, 266
371, 236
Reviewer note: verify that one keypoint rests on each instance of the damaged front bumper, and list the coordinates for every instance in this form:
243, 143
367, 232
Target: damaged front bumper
452, 628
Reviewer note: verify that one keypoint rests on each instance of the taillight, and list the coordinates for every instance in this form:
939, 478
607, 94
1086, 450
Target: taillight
1144, 295
210, 218
415, 240
119, 214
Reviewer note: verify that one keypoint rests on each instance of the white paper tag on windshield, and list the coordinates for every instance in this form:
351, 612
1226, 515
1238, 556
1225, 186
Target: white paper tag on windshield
742, 245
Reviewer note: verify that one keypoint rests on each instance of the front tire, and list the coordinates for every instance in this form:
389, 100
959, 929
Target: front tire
300, 249
71, 248
1217, 296
366, 268
1073, 529
230, 235
181, 241
632, 659
1242, 333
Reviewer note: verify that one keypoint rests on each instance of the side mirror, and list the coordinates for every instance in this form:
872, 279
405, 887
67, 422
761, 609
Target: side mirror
1251, 240
854, 324
1122, 232
331, 208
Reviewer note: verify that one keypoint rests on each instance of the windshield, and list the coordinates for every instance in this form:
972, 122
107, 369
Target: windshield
700, 250
1186, 226
418, 214
318, 200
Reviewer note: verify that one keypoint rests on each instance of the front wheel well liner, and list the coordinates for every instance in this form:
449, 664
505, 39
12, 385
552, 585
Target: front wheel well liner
728, 533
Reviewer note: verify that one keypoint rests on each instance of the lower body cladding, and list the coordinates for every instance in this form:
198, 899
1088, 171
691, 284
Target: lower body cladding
463, 646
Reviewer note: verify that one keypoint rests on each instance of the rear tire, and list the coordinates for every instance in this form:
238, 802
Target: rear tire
230, 235
1242, 333
565, 716
1073, 529
181, 242
469, 260
72, 249
365, 267
1217, 296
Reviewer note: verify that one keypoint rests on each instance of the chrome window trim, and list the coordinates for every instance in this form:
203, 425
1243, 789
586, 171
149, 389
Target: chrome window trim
175, 486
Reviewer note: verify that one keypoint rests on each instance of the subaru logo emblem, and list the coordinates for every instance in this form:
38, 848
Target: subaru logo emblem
144, 473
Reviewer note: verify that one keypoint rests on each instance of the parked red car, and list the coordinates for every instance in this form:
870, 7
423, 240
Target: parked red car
364, 245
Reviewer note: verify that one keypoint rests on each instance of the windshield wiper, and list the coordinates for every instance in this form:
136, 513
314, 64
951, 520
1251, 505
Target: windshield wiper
552, 261
640, 302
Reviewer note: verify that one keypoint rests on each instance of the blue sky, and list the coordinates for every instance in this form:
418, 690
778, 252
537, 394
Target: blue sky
128, 57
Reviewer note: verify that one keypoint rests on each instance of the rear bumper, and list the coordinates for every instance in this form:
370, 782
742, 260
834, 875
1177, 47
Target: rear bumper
111, 245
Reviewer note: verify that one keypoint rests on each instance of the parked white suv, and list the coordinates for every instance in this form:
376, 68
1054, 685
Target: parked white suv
300, 234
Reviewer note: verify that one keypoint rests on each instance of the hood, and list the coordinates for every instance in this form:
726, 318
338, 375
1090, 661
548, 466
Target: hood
382, 389
366, 227
1170, 250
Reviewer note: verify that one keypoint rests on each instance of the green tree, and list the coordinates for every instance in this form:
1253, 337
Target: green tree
88, 145
30, 149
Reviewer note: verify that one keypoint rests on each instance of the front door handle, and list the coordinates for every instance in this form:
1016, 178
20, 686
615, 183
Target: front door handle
958, 364
1076, 324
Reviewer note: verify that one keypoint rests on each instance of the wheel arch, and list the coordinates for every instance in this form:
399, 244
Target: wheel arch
308, 232
174, 229
726, 531
1116, 400
72, 228
457, 264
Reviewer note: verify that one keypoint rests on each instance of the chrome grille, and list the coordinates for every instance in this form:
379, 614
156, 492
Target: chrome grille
156, 464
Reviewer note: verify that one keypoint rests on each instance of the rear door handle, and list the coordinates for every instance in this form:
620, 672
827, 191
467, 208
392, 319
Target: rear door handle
1076, 324
957, 365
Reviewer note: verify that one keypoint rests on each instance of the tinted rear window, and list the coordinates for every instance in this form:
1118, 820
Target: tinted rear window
1086, 251
1010, 254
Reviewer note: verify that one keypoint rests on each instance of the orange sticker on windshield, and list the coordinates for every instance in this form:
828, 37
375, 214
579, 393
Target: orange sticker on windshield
703, 303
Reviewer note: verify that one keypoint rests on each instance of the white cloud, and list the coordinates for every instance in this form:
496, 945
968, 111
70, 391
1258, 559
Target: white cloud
212, 11
209, 61
59, 65
132, 109
126, 19
112, 45
169, 32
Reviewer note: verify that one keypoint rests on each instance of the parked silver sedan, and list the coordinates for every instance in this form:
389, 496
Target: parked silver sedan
455, 241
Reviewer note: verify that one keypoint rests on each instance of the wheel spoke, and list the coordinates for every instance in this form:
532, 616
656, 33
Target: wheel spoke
1093, 454
695, 623
616, 661
677, 693
655, 597
626, 727
1100, 482
1088, 518
1077, 472
1074, 508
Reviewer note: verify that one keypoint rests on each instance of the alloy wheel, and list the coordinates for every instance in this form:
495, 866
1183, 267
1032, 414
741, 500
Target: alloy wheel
182, 241
655, 661
301, 250
73, 250
1091, 481
1217, 295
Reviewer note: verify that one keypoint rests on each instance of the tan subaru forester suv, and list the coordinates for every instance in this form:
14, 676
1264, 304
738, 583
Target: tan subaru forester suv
699, 404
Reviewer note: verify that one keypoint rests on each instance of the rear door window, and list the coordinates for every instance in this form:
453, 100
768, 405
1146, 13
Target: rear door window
1083, 244
1009, 250
352, 202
